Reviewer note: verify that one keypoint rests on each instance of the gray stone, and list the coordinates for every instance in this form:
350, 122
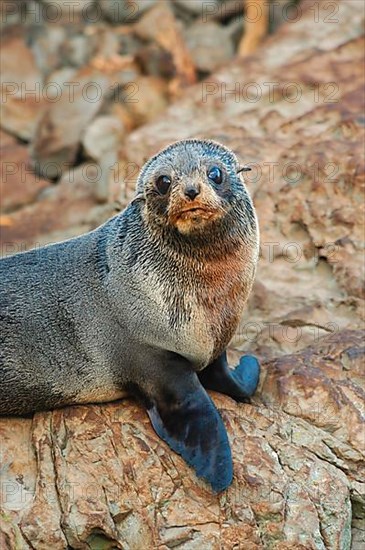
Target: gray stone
60, 129
70, 6
197, 7
11, 13
58, 78
47, 47
102, 136
123, 11
210, 45
101, 141
77, 50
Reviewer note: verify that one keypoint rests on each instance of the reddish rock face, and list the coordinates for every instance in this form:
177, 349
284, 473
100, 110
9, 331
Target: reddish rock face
91, 474
62, 211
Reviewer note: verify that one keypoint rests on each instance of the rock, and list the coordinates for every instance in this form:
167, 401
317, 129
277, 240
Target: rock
281, 12
6, 139
119, 111
77, 50
19, 184
121, 70
198, 7
156, 61
257, 19
46, 44
102, 136
56, 80
40, 13
209, 44
160, 26
11, 13
124, 11
59, 131
93, 476
129, 44
145, 98
106, 43
21, 88
101, 141
61, 211
70, 6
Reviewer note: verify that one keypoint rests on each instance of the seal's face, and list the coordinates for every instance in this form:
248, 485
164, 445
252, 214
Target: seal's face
191, 185
197, 198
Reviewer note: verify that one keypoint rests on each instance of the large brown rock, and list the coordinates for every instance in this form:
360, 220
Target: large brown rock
61, 211
22, 98
98, 476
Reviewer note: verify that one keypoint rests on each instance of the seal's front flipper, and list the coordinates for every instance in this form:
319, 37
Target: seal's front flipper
239, 383
186, 419
247, 374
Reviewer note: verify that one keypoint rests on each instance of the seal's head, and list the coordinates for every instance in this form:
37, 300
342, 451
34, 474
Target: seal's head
192, 186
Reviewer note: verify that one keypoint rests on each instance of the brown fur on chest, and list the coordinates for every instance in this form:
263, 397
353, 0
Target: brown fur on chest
222, 291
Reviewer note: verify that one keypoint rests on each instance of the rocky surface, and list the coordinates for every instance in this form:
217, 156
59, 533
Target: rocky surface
99, 477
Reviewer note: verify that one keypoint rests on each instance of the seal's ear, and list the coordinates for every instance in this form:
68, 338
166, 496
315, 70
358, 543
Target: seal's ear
138, 197
244, 169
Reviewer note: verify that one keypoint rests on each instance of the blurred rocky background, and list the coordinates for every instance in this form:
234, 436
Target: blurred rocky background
78, 77
90, 89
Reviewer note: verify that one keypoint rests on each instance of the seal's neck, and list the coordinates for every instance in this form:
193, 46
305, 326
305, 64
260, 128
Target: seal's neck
214, 241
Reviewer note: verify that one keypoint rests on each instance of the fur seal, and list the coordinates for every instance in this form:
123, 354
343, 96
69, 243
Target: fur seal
145, 305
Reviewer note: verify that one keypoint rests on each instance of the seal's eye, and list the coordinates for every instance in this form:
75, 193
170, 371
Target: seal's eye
163, 184
215, 174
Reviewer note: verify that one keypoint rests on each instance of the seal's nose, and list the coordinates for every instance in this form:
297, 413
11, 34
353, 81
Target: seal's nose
191, 192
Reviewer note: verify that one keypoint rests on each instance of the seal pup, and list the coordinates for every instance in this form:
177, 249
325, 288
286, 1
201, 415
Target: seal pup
145, 304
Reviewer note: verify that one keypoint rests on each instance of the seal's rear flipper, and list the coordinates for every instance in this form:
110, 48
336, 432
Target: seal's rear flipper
239, 383
192, 427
